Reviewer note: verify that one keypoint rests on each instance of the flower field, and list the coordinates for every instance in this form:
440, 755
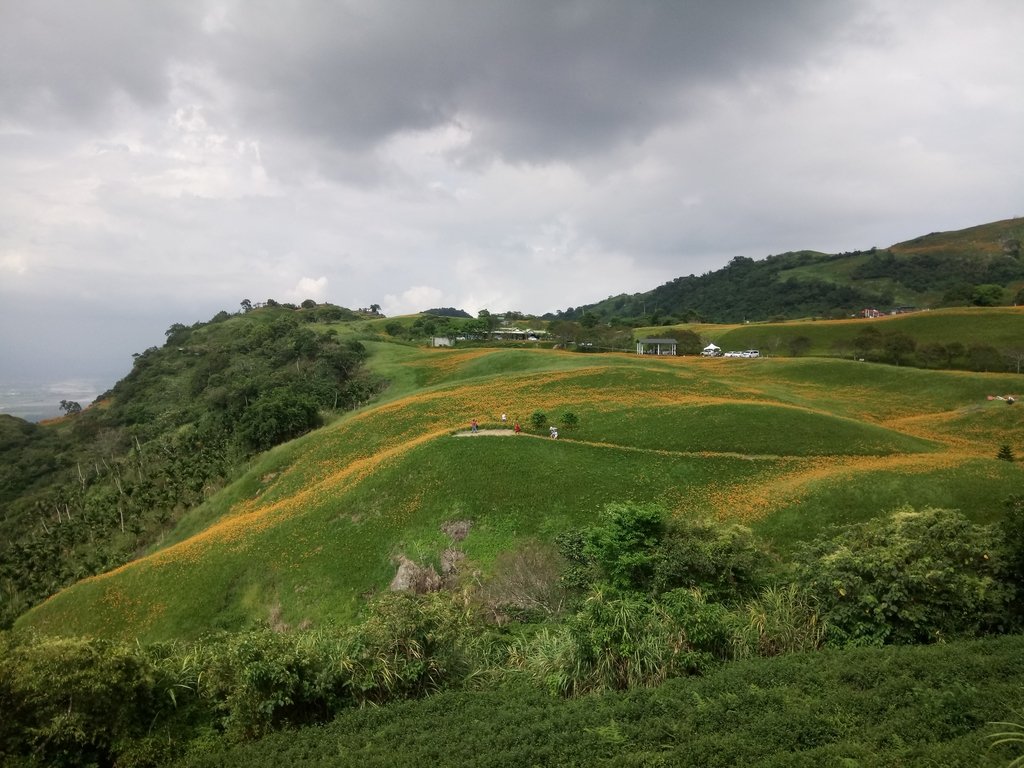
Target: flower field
788, 446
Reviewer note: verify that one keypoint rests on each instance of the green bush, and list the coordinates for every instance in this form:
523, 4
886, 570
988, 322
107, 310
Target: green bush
722, 559
617, 642
624, 546
74, 702
912, 577
539, 420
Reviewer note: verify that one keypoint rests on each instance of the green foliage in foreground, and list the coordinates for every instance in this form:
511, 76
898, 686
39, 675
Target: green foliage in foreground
649, 601
866, 707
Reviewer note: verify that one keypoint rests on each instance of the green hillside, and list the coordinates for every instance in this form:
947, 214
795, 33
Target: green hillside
788, 446
217, 539
999, 329
981, 265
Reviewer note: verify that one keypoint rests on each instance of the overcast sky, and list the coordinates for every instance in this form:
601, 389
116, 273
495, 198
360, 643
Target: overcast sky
162, 160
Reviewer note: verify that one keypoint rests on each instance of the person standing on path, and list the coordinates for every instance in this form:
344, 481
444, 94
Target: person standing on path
473, 426
516, 427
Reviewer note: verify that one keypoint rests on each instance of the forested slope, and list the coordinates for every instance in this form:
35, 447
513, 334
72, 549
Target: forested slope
89, 493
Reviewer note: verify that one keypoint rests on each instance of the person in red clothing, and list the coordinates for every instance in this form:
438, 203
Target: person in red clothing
516, 427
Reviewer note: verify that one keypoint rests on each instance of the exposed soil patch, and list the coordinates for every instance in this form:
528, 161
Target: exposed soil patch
456, 530
494, 432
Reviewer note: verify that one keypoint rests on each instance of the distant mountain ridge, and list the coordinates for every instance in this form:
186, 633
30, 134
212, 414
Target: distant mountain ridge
981, 265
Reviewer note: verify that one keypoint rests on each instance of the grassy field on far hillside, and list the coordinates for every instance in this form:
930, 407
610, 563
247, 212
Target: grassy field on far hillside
999, 327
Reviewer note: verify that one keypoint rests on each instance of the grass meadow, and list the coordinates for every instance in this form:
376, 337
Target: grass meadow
791, 447
995, 326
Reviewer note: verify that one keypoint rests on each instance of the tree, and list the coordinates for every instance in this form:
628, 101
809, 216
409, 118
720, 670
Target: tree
624, 545
898, 346
589, 319
987, 295
799, 346
308, 304
868, 339
914, 577
985, 357
1005, 453
246, 305
564, 330
176, 334
490, 321
570, 420
688, 342
277, 416
375, 309
1015, 357
933, 355
70, 407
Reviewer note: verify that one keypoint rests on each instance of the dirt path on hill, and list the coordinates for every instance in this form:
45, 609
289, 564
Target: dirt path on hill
496, 432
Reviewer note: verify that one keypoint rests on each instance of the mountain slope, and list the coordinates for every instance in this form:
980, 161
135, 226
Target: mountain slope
942, 268
788, 446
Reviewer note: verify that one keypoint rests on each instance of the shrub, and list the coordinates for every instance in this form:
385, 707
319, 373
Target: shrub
539, 420
617, 642
525, 582
914, 577
780, 620
721, 559
74, 702
1006, 454
624, 545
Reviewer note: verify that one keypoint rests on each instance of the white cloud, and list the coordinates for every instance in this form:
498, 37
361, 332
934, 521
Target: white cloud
16, 263
414, 299
309, 288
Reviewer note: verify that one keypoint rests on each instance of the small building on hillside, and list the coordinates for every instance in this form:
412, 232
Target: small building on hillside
440, 341
656, 346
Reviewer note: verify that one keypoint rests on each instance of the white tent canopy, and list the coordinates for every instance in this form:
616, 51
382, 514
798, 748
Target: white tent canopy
711, 348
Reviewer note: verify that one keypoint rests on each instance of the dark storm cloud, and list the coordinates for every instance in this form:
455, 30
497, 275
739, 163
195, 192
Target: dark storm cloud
66, 61
530, 80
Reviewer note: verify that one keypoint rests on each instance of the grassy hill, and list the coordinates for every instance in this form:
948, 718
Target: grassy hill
940, 269
790, 447
998, 327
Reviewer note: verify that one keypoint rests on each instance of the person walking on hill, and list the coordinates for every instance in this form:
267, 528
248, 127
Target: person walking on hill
516, 428
473, 426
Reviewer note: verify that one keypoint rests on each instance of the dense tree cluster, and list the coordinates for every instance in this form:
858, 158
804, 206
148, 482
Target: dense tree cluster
744, 289
942, 268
